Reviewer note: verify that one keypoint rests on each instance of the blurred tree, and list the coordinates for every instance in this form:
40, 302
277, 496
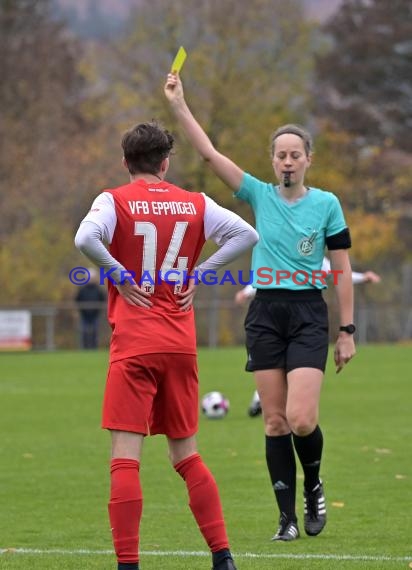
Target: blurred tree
363, 93
65, 106
374, 237
44, 159
247, 71
369, 182
364, 79
37, 261
39, 102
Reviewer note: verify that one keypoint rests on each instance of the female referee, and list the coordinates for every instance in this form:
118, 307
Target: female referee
287, 322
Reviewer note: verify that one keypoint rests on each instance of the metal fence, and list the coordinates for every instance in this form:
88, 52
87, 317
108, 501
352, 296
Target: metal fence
219, 322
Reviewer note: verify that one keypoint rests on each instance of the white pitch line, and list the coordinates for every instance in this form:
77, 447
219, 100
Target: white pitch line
184, 553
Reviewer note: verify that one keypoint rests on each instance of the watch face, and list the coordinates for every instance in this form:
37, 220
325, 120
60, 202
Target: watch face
350, 329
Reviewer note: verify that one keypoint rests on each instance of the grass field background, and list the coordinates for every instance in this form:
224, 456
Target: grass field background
54, 469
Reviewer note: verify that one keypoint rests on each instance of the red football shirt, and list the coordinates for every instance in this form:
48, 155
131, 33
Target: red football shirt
159, 229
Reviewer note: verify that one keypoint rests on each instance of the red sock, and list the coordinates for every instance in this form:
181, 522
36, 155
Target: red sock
204, 501
125, 508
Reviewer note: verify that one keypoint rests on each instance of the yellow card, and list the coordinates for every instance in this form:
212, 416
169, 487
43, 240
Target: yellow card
179, 60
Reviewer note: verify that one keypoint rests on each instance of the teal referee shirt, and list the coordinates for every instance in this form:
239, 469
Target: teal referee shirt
292, 234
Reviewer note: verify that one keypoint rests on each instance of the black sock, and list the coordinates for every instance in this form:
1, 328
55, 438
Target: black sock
220, 555
309, 450
128, 566
280, 459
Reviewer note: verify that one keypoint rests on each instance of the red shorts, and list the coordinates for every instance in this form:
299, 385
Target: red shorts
153, 394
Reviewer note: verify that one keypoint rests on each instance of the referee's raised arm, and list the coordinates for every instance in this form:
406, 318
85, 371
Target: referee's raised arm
222, 166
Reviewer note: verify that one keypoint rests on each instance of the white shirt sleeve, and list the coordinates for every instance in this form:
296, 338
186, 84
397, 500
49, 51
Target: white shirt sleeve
103, 214
325, 265
249, 291
227, 230
356, 277
95, 230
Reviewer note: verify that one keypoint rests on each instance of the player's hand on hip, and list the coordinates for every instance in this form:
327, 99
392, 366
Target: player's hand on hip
185, 299
344, 350
134, 295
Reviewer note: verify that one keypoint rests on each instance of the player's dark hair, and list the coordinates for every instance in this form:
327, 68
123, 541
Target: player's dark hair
145, 146
293, 130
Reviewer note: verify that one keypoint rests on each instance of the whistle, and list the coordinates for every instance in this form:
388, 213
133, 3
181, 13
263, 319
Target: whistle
286, 179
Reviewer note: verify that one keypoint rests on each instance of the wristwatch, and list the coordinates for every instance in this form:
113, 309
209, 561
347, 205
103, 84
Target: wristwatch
350, 329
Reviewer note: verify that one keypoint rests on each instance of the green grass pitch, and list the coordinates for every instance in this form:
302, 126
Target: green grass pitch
54, 469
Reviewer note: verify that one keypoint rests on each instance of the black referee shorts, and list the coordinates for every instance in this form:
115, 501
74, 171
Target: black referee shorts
287, 329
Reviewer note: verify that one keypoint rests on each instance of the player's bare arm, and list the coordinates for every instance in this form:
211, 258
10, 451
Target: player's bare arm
221, 165
345, 344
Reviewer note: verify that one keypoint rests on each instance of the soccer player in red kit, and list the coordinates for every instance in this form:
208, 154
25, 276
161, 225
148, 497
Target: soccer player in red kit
154, 232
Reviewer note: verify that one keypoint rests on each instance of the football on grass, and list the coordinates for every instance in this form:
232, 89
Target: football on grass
215, 406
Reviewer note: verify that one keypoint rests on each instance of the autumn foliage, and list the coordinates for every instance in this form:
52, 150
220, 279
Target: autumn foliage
66, 101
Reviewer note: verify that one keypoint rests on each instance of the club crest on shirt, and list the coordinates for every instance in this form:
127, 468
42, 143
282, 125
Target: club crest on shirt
307, 245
